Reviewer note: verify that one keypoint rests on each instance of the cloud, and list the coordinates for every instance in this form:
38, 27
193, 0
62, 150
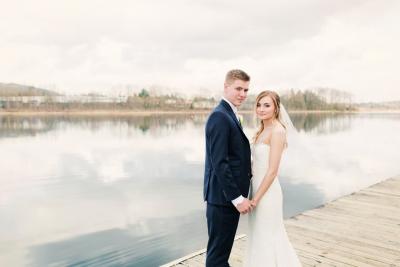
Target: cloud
186, 45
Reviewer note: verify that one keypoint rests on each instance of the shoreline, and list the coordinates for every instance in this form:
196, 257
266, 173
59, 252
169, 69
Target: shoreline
171, 112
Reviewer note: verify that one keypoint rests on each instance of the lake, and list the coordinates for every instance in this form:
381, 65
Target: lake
127, 190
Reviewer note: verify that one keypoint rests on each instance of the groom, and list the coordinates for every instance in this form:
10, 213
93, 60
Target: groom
227, 170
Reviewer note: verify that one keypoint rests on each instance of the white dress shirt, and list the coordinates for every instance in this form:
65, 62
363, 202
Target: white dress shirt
235, 110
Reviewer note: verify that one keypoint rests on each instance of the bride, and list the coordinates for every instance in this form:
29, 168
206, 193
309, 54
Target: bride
268, 244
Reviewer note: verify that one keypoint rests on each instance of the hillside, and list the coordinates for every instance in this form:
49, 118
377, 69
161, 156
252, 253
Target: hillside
13, 89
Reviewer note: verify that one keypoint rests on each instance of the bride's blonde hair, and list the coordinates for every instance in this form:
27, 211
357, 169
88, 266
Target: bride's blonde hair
277, 105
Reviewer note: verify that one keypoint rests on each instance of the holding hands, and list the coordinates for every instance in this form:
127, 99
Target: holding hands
254, 203
246, 206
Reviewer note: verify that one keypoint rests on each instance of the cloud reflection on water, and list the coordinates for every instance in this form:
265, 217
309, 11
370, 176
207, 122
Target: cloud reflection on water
66, 182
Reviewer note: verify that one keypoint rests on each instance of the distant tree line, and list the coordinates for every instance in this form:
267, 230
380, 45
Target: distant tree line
138, 101
309, 100
145, 100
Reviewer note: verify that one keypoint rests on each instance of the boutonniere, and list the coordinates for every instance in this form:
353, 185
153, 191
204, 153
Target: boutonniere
240, 119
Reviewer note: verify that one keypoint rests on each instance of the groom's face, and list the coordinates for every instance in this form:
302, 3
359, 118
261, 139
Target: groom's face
236, 91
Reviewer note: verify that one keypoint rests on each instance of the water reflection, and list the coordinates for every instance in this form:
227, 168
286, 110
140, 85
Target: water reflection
23, 126
11, 126
322, 123
127, 191
129, 246
318, 123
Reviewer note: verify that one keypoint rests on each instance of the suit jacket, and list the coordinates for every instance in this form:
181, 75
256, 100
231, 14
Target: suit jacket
228, 162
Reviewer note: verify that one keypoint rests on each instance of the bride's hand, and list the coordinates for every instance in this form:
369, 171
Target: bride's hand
254, 203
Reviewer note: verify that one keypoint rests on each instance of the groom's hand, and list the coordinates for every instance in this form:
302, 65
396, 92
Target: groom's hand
244, 207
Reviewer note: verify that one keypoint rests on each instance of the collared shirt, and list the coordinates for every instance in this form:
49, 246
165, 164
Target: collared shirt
234, 108
240, 198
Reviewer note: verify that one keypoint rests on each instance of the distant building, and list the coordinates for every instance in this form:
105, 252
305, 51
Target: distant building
206, 104
170, 101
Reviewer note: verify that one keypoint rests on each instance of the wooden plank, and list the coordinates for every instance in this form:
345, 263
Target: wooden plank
381, 193
346, 249
360, 235
344, 224
350, 243
354, 210
332, 253
382, 202
312, 231
321, 258
377, 223
193, 263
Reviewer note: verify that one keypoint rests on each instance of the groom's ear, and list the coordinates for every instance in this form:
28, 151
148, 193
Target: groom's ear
226, 85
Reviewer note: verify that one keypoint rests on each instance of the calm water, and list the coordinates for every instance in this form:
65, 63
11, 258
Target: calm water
127, 191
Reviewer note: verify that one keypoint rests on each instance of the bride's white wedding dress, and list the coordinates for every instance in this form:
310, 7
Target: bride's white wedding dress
267, 242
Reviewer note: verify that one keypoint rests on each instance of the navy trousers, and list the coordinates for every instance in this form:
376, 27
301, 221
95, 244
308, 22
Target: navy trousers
222, 222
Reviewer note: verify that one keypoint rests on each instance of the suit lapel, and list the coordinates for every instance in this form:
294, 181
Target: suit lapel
228, 108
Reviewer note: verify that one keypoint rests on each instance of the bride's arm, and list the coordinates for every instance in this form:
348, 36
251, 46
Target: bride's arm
278, 140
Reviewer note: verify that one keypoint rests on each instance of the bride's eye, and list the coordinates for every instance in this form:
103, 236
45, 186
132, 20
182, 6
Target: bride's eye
258, 105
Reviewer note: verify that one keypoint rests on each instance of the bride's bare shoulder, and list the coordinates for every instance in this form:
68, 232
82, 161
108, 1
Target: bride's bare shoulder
279, 134
278, 128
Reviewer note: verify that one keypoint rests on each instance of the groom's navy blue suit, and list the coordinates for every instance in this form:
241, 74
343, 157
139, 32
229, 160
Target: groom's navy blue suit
227, 176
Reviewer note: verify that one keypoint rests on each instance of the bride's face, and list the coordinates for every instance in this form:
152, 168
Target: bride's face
265, 108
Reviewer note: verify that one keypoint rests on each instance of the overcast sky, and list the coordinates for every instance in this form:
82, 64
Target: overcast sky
187, 46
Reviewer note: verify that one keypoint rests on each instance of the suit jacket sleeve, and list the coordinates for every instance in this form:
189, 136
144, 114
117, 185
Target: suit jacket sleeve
218, 133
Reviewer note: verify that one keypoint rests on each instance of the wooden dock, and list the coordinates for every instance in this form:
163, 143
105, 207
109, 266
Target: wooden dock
361, 229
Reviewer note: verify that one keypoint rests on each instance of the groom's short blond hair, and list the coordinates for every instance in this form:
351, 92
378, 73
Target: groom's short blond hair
236, 74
